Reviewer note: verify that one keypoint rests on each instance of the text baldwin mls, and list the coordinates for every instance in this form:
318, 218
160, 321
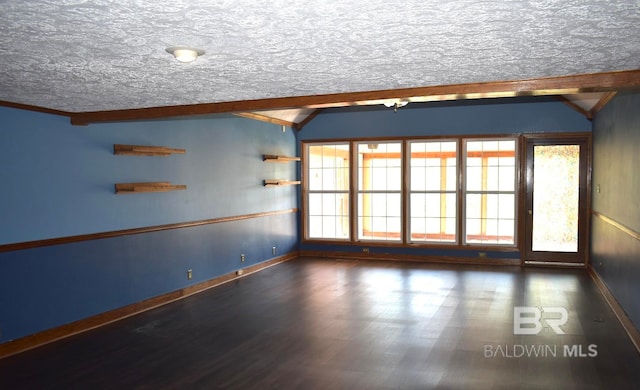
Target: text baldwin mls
528, 320
540, 351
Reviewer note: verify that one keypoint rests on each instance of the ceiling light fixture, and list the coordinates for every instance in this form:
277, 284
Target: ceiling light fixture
185, 54
395, 104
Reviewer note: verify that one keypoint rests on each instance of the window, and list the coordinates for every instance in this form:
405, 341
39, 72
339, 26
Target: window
456, 191
490, 191
433, 191
380, 191
328, 191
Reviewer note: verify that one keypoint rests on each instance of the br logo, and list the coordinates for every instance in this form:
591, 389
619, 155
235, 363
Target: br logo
528, 319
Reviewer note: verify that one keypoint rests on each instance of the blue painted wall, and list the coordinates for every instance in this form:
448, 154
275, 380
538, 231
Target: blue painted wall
481, 117
472, 117
615, 255
45, 287
57, 180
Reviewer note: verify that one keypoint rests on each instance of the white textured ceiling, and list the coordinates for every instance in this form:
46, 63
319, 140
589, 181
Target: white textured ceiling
77, 55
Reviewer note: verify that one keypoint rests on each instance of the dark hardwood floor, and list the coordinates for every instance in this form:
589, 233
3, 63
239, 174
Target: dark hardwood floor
323, 324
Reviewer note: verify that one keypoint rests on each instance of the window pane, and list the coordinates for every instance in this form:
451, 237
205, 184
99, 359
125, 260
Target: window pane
506, 178
491, 206
324, 155
328, 226
418, 205
380, 216
379, 191
433, 199
328, 216
489, 183
473, 229
380, 167
314, 159
327, 204
434, 178
394, 205
328, 185
315, 178
388, 204
315, 226
329, 179
315, 204
500, 174
451, 227
451, 209
507, 208
506, 231
432, 226
474, 178
452, 175
432, 230
432, 205
556, 195
433, 166
328, 167
379, 228
474, 206
418, 178
492, 182
490, 166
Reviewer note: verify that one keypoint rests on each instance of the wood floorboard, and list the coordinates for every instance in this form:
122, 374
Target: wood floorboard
323, 324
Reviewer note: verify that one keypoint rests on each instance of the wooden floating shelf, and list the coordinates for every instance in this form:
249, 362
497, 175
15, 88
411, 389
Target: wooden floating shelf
279, 183
140, 150
159, 186
276, 158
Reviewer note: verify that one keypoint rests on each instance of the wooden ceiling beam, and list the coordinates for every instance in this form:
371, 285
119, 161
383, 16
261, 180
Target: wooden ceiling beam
564, 85
603, 102
576, 107
596, 82
28, 107
306, 120
265, 118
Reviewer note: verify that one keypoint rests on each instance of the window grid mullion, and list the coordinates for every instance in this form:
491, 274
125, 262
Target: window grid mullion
395, 158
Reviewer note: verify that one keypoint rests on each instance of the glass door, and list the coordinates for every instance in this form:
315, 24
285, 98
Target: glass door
556, 200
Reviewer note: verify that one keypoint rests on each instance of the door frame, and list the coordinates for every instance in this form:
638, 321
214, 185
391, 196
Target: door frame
529, 257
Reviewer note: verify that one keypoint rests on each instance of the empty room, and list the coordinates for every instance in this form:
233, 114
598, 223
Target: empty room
320, 195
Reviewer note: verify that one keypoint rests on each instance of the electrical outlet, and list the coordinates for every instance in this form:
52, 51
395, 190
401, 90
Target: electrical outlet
365, 250
189, 274
482, 254
242, 258
273, 251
